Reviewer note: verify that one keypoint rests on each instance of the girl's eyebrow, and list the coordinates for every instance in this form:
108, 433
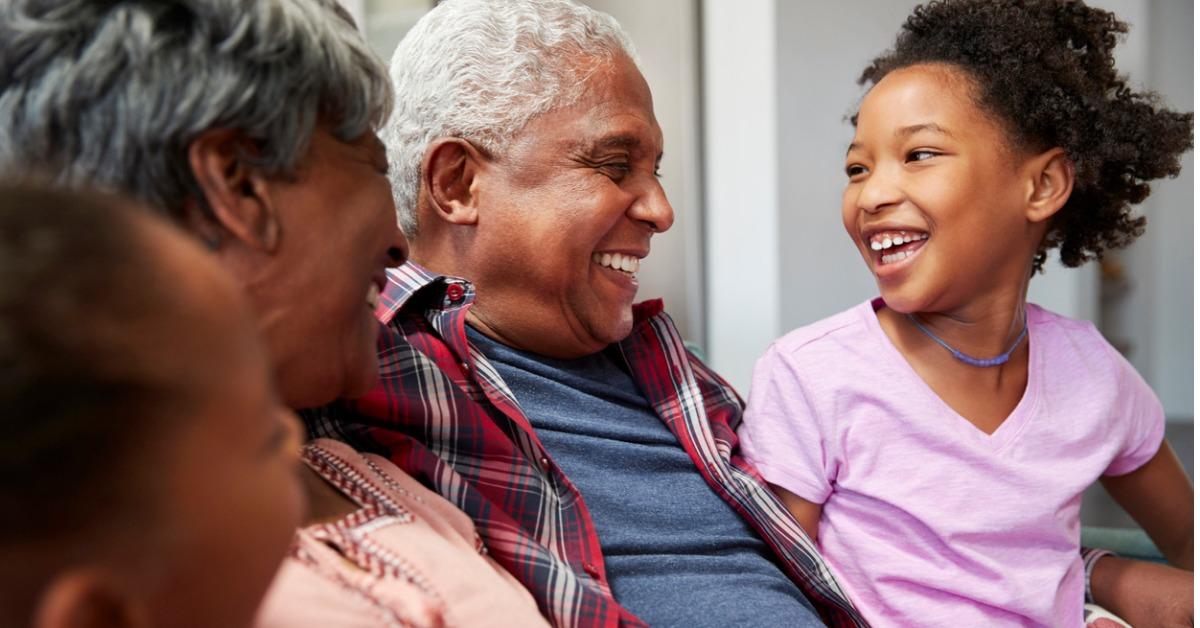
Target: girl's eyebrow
926, 126
909, 130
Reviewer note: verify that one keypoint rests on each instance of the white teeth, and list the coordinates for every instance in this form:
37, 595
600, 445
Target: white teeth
617, 261
881, 241
373, 296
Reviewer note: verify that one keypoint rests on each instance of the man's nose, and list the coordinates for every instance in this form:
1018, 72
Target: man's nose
653, 209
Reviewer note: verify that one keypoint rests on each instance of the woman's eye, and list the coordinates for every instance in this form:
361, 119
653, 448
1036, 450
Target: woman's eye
853, 170
922, 155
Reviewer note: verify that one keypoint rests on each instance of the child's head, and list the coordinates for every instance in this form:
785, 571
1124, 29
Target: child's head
147, 469
1008, 119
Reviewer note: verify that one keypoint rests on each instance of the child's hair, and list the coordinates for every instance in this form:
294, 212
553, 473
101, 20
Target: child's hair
1044, 69
82, 401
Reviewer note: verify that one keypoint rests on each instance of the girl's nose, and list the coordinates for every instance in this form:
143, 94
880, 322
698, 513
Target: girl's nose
879, 191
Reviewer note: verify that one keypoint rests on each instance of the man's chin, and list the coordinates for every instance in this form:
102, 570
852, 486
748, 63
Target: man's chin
615, 328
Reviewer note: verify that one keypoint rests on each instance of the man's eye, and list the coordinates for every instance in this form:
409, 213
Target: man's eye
615, 170
922, 155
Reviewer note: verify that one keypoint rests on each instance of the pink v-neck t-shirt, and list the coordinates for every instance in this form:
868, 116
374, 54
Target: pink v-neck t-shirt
925, 517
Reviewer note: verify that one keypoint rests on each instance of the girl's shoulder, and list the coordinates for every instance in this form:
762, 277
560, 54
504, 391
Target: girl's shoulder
1054, 328
833, 330
1076, 348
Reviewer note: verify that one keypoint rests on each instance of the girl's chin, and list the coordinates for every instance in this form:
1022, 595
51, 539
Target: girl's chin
902, 301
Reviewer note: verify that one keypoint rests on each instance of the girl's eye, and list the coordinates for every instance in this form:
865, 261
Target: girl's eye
922, 155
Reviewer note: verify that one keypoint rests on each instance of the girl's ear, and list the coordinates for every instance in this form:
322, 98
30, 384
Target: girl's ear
88, 598
451, 168
1052, 177
237, 193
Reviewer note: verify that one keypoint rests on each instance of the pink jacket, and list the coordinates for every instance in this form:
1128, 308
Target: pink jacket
407, 557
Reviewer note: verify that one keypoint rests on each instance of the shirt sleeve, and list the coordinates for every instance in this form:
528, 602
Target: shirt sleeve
1142, 413
781, 435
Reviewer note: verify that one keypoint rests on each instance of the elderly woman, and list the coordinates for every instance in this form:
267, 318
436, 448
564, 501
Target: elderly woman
252, 126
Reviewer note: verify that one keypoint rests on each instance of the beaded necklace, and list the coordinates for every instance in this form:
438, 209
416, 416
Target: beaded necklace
962, 357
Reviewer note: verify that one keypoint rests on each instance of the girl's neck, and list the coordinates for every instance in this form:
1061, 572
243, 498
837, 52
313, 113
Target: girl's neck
985, 328
982, 328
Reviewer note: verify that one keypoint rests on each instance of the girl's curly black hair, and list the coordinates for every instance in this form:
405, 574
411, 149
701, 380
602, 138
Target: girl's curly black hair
1044, 69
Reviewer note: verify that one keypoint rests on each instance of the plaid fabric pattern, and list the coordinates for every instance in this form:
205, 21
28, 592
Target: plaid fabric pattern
441, 413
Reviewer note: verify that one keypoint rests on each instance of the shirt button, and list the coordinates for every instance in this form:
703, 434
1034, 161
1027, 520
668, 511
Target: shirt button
545, 463
454, 292
591, 570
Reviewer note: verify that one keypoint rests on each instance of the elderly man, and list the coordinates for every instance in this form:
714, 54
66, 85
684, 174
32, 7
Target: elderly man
594, 453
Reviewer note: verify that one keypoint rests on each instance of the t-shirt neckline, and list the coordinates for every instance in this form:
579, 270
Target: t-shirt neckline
1013, 424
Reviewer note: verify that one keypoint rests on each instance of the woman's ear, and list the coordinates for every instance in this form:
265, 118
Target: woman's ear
237, 193
450, 172
88, 598
1052, 178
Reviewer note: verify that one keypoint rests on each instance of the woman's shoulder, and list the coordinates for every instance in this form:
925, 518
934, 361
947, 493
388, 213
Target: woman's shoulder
405, 556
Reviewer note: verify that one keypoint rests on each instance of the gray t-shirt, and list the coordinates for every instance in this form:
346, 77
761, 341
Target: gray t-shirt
675, 553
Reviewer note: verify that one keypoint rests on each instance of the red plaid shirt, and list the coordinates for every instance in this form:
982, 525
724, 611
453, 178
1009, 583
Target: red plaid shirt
441, 412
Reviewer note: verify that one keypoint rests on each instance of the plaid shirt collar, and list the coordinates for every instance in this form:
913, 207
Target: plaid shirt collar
442, 413
411, 278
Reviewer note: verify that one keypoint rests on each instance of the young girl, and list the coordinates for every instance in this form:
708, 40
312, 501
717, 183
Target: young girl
936, 441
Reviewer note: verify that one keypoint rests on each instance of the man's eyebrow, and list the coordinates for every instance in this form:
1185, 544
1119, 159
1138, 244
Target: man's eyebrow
620, 140
617, 141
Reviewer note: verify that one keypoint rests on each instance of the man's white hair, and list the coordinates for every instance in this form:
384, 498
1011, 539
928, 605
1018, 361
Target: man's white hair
481, 70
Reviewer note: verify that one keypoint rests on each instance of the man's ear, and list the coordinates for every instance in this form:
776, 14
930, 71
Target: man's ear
450, 172
87, 598
236, 192
1052, 178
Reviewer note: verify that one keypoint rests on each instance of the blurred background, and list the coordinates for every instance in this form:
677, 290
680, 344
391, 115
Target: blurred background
753, 98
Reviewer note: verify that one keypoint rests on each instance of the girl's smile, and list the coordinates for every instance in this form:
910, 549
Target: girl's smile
893, 249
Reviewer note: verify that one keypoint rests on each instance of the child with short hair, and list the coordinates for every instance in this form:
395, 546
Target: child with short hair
936, 441
148, 470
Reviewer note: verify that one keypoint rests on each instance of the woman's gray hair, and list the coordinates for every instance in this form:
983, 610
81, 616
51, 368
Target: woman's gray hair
481, 70
112, 92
